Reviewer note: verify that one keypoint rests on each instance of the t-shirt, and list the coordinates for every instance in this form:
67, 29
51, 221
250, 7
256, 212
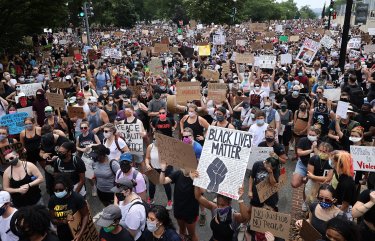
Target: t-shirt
366, 121
305, 144
5, 233
257, 133
133, 218
155, 105
141, 183
61, 208
165, 127
364, 197
72, 168
115, 153
185, 205
105, 175
197, 149
168, 235
320, 166
277, 148
345, 190
123, 235
293, 103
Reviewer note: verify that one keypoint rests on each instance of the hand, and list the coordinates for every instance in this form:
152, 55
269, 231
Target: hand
148, 167
337, 138
240, 192
299, 223
23, 189
194, 174
269, 169
314, 145
372, 197
250, 194
309, 175
77, 237
163, 166
216, 172
201, 138
269, 236
46, 156
338, 118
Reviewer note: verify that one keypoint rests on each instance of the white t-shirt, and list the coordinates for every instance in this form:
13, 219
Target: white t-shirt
257, 133
133, 218
245, 113
114, 152
5, 233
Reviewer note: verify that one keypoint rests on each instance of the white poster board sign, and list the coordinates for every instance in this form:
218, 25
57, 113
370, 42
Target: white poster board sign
332, 94
258, 154
363, 158
327, 42
267, 61
342, 109
371, 31
354, 43
218, 39
279, 28
132, 136
286, 59
308, 51
28, 110
30, 89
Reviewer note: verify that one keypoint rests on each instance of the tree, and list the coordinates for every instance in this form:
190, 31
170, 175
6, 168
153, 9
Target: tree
307, 13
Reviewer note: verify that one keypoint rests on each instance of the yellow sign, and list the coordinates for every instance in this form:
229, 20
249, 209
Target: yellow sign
204, 50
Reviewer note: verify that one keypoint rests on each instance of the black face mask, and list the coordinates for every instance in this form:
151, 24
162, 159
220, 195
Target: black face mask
120, 196
86, 88
322, 106
344, 99
270, 139
125, 167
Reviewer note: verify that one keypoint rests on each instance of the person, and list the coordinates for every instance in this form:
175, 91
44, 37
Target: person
163, 123
80, 98
286, 121
323, 210
140, 111
96, 118
341, 229
69, 164
39, 105
272, 116
301, 123
320, 115
340, 129
365, 208
63, 205
152, 161
114, 143
130, 173
278, 149
131, 119
186, 207
258, 131
195, 122
132, 209
294, 98
103, 98
54, 121
21, 179
188, 138
6, 213
31, 138
257, 96
221, 121
160, 226
85, 140
111, 109
109, 221
122, 94
366, 119
105, 171
101, 79
5, 140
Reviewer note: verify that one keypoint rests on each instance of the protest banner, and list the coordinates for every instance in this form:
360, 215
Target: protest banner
14, 122
258, 154
28, 110
369, 49
132, 136
211, 74
156, 66
283, 38
266, 190
17, 147
354, 43
294, 38
153, 176
188, 91
30, 89
118, 34
76, 111
363, 158
55, 100
354, 54
217, 92
308, 51
90, 233
332, 94
59, 84
263, 220
221, 166
286, 59
175, 153
308, 232
342, 109
204, 50
161, 48
327, 42
267, 61
245, 58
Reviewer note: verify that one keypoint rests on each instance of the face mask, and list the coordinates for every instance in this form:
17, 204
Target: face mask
110, 102
107, 135
191, 114
61, 156
125, 166
267, 108
222, 213
187, 140
14, 161
162, 87
152, 226
61, 194
257, 88
252, 116
40, 97
299, 74
355, 139
365, 112
260, 122
323, 156
12, 111
220, 118
123, 87
134, 102
295, 93
29, 126
245, 105
83, 79
325, 205
120, 197
105, 92
2, 210
22, 80
269, 139
235, 81
283, 107
157, 96
109, 229
205, 94
283, 91
163, 116
93, 108
303, 108
2, 137
312, 138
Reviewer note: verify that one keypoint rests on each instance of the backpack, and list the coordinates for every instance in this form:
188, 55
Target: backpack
255, 99
147, 209
134, 177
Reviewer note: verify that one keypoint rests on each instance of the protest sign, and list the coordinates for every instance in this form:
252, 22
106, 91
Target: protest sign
59, 84
279, 28
17, 147
188, 91
258, 27
161, 48
55, 100
266, 190
221, 166
218, 39
286, 59
90, 233
327, 42
268, 46
258, 154
91, 54
371, 31
308, 51
294, 38
342, 109
186, 51
363, 158
217, 92
256, 46
28, 110
136, 90
76, 111
267, 61
175, 153
246, 58
211, 74
369, 49
241, 42
283, 38
263, 220
73, 50
156, 66
193, 24
354, 54
354, 43
68, 60
225, 68
145, 32
308, 232
132, 136
89, 164
204, 50
332, 94
153, 176
30, 89
14, 122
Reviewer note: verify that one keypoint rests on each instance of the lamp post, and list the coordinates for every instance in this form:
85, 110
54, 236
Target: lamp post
234, 12
345, 33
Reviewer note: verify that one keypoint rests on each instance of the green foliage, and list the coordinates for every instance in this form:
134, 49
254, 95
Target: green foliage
307, 13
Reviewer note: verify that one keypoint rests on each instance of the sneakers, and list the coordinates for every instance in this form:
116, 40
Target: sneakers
150, 201
93, 191
202, 219
169, 205
304, 207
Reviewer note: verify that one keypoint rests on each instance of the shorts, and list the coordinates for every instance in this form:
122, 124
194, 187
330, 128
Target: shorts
188, 220
301, 169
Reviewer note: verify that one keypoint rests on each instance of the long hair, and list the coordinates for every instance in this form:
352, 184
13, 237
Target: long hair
162, 215
346, 228
344, 162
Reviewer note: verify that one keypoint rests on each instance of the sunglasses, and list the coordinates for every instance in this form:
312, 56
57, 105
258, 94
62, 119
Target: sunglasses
161, 113
84, 128
3, 133
186, 136
10, 159
319, 92
322, 199
106, 131
48, 111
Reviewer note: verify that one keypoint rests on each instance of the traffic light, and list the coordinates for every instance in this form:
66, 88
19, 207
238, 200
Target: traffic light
81, 12
334, 15
90, 9
331, 6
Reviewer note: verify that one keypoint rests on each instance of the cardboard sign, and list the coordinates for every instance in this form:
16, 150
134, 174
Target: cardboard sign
332, 94
217, 92
308, 51
17, 147
225, 68
73, 50
68, 60
132, 137
369, 49
241, 42
30, 89
263, 220
55, 100
136, 90
193, 24
286, 58
28, 110
244, 58
221, 166
354, 43
268, 46
204, 50
308, 232
211, 74
60, 85
156, 66
76, 111
258, 27
327, 42
258, 154
90, 234
294, 38
153, 176
161, 48
266, 190
363, 158
188, 91
256, 46
175, 153
267, 61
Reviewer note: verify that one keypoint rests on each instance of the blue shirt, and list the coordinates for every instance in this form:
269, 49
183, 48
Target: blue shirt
197, 149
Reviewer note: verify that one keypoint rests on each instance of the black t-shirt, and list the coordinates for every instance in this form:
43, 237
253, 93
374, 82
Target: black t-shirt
48, 144
62, 207
277, 148
103, 100
185, 205
366, 121
123, 235
293, 103
320, 166
305, 144
49, 237
126, 94
364, 197
72, 168
345, 190
168, 235
259, 173
165, 127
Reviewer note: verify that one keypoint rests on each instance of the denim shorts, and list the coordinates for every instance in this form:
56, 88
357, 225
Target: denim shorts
301, 169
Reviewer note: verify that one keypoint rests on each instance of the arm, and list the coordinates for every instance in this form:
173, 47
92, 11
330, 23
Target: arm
10, 97
238, 107
5, 103
6, 184
163, 179
22, 137
182, 123
36, 173
78, 147
344, 206
361, 208
198, 193
148, 157
62, 123
81, 182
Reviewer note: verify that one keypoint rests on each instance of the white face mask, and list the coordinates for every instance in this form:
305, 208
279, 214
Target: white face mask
105, 92
107, 135
355, 139
312, 138
110, 102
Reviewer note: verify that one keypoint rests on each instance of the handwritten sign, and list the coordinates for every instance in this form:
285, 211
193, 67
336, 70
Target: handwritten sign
342, 109
354, 43
244, 58
90, 234
363, 158
332, 94
286, 58
217, 91
161, 48
211, 74
308, 232
30, 89
327, 42
14, 122
258, 154
155, 66
55, 100
204, 50
175, 152
132, 136
266, 190
263, 220
294, 38
58, 84
267, 61
76, 111
188, 91
17, 147
368, 49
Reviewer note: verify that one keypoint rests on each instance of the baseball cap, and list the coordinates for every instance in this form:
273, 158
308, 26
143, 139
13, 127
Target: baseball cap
109, 215
122, 184
92, 99
126, 157
4, 198
68, 77
48, 109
